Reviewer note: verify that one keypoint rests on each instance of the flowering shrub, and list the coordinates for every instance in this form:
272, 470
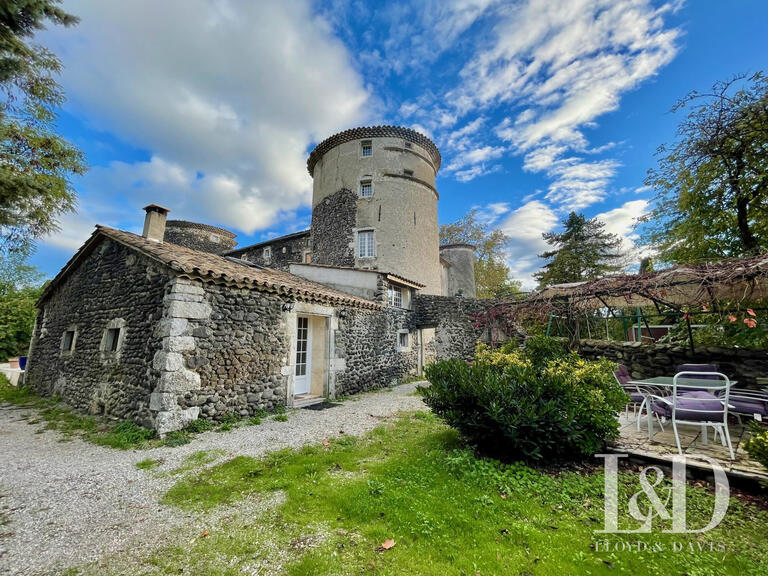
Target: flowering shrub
532, 403
757, 445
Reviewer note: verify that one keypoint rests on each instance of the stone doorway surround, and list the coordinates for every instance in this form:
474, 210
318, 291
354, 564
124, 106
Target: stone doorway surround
324, 364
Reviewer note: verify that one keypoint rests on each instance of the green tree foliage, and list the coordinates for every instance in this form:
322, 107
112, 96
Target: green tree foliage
582, 251
20, 287
712, 184
35, 163
491, 272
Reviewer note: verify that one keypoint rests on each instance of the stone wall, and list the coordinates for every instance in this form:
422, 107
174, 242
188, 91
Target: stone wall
452, 319
199, 236
238, 353
367, 340
113, 286
284, 251
648, 360
333, 223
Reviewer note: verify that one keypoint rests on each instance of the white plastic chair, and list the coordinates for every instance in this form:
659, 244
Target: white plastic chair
698, 408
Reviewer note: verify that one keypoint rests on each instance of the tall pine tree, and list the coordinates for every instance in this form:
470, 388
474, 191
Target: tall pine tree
36, 164
582, 251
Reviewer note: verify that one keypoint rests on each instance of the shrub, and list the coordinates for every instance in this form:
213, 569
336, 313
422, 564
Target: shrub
757, 445
542, 349
535, 403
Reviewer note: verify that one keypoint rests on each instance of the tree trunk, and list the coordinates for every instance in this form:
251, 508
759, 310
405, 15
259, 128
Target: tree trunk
746, 236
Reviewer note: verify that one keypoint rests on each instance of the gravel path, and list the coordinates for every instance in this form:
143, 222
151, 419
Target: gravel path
69, 503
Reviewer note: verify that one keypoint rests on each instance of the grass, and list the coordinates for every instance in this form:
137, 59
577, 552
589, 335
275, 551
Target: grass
148, 464
122, 435
448, 512
126, 435
197, 460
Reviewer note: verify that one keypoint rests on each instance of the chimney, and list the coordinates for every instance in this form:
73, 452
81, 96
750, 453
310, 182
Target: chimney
154, 222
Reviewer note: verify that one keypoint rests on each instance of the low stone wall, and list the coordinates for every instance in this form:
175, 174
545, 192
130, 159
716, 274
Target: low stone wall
367, 341
648, 360
452, 319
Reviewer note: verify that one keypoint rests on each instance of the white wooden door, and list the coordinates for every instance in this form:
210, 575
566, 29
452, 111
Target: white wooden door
303, 356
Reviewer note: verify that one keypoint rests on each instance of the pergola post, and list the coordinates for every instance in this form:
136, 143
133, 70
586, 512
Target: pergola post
549, 324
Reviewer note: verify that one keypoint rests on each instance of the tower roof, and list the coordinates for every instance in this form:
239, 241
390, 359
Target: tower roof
373, 132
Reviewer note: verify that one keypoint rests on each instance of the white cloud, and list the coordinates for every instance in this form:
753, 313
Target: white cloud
621, 221
472, 163
226, 97
490, 213
524, 227
552, 68
578, 184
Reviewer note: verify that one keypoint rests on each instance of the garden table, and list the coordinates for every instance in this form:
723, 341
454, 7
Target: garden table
666, 383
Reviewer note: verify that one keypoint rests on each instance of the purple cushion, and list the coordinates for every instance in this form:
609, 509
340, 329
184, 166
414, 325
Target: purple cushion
689, 401
748, 406
636, 398
699, 368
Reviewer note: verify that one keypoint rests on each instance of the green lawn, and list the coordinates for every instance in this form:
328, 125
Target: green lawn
447, 512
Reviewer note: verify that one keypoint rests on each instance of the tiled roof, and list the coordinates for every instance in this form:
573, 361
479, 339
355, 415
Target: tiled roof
395, 277
373, 132
219, 270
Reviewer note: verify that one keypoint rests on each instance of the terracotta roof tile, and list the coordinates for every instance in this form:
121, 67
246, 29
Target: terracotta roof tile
220, 270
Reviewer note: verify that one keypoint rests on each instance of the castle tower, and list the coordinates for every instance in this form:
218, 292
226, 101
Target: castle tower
374, 203
458, 263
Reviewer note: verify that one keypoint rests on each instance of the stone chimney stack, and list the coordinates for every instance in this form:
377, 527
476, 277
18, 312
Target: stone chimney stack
154, 222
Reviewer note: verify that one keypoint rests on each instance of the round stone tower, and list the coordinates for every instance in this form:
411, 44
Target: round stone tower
198, 236
374, 203
458, 261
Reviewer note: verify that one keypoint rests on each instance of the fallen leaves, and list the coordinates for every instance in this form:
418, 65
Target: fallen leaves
386, 545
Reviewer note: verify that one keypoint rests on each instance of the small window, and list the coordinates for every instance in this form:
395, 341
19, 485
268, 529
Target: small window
366, 188
366, 148
68, 341
402, 340
365, 244
395, 295
113, 339
267, 253
408, 144
215, 238
408, 172
308, 258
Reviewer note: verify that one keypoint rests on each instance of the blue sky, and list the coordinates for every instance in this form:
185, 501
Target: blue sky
538, 106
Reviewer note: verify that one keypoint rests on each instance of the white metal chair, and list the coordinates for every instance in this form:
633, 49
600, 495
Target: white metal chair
696, 407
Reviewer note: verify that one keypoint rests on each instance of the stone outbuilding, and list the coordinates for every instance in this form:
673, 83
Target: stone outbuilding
177, 324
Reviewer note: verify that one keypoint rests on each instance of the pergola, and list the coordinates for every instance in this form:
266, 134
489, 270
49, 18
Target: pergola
681, 289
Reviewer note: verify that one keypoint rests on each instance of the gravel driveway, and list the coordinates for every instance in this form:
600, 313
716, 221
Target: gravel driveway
69, 503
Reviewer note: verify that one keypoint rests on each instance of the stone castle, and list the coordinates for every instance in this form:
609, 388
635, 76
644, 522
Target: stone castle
178, 324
